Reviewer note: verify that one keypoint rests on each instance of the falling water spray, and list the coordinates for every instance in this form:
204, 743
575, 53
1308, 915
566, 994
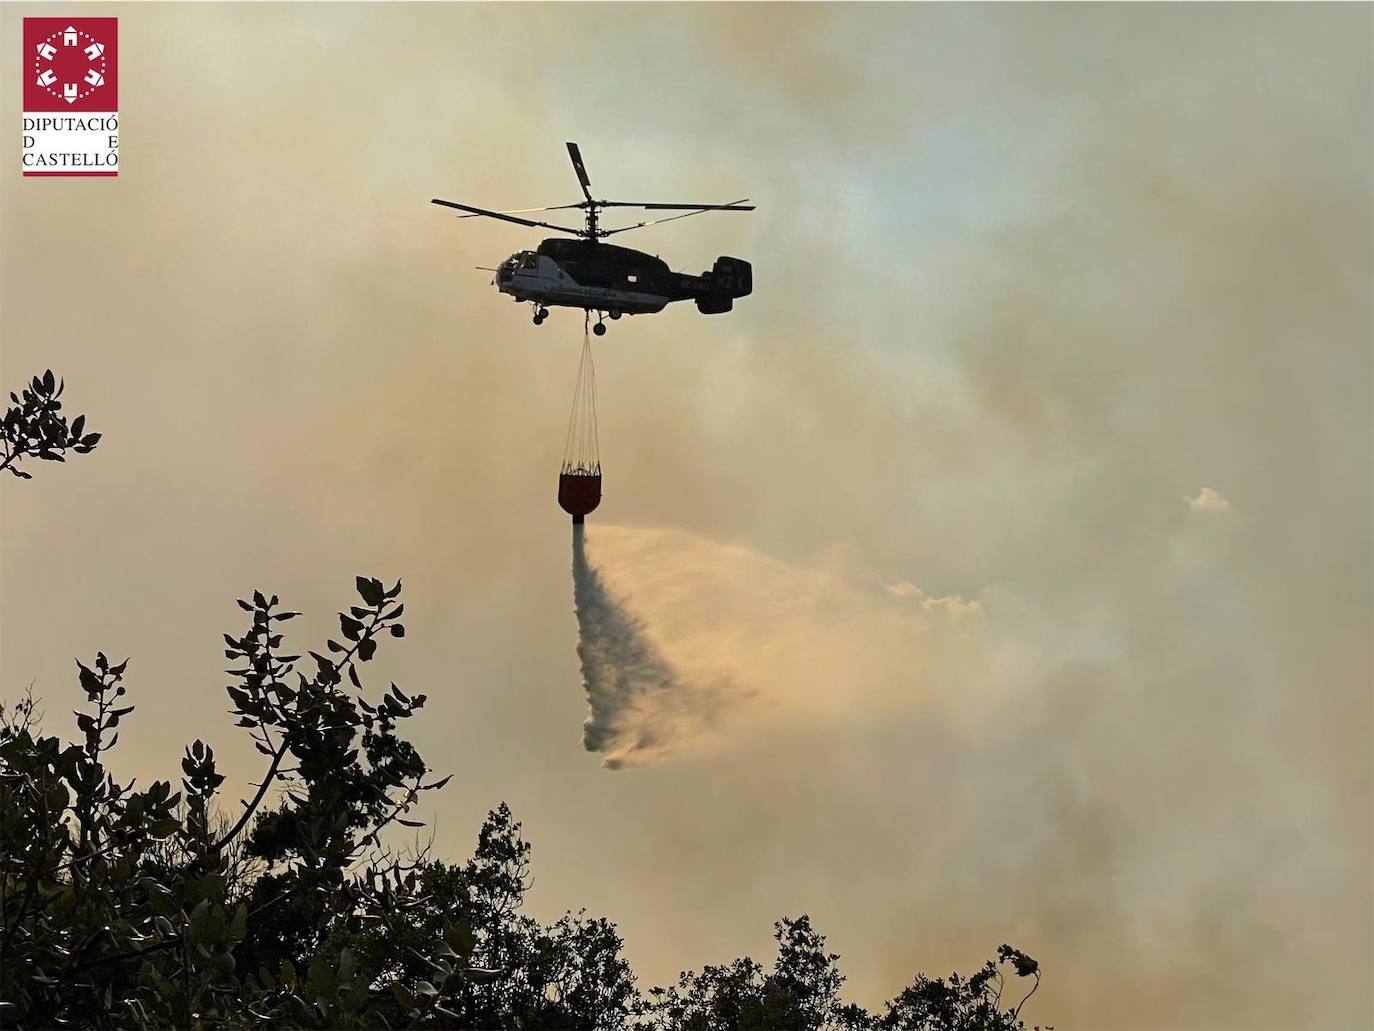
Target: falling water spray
627, 680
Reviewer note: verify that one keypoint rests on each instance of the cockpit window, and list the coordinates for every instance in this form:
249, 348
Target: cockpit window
531, 261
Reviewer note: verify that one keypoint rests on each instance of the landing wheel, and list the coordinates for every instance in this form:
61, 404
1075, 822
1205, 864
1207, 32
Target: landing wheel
614, 315
538, 320
540, 314
599, 329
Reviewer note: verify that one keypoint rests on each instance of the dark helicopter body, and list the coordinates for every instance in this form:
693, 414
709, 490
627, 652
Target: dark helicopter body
617, 280
585, 273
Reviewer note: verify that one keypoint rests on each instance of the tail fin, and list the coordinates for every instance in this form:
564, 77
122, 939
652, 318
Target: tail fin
729, 278
733, 277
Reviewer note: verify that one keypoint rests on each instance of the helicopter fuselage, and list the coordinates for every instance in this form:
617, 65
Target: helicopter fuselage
605, 278
583, 272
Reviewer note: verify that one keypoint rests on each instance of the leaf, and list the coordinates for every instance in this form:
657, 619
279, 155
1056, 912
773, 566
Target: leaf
483, 975
461, 938
323, 978
198, 920
370, 590
238, 925
89, 681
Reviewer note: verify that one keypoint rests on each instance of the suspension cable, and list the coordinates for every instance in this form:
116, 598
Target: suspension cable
582, 447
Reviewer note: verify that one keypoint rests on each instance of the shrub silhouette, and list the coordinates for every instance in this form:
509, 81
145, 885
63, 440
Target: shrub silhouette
33, 427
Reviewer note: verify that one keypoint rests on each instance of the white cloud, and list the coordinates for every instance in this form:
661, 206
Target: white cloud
1208, 500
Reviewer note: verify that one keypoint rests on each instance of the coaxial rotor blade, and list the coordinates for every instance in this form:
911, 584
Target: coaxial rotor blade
525, 211
657, 221
734, 205
503, 218
581, 171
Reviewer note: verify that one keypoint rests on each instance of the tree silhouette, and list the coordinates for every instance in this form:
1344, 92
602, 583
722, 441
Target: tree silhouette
34, 427
802, 992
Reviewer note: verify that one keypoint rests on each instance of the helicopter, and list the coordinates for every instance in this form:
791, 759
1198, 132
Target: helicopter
602, 278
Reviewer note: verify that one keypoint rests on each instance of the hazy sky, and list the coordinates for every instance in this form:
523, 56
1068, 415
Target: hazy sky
1010, 546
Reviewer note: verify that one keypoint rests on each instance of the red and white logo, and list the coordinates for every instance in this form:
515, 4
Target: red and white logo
71, 96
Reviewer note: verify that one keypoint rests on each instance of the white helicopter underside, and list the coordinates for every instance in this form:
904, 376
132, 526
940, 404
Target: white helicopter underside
548, 284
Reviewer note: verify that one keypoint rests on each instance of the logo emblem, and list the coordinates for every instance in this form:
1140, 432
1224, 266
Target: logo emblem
70, 64
71, 96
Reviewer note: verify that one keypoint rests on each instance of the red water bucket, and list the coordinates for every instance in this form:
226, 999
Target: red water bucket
579, 493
